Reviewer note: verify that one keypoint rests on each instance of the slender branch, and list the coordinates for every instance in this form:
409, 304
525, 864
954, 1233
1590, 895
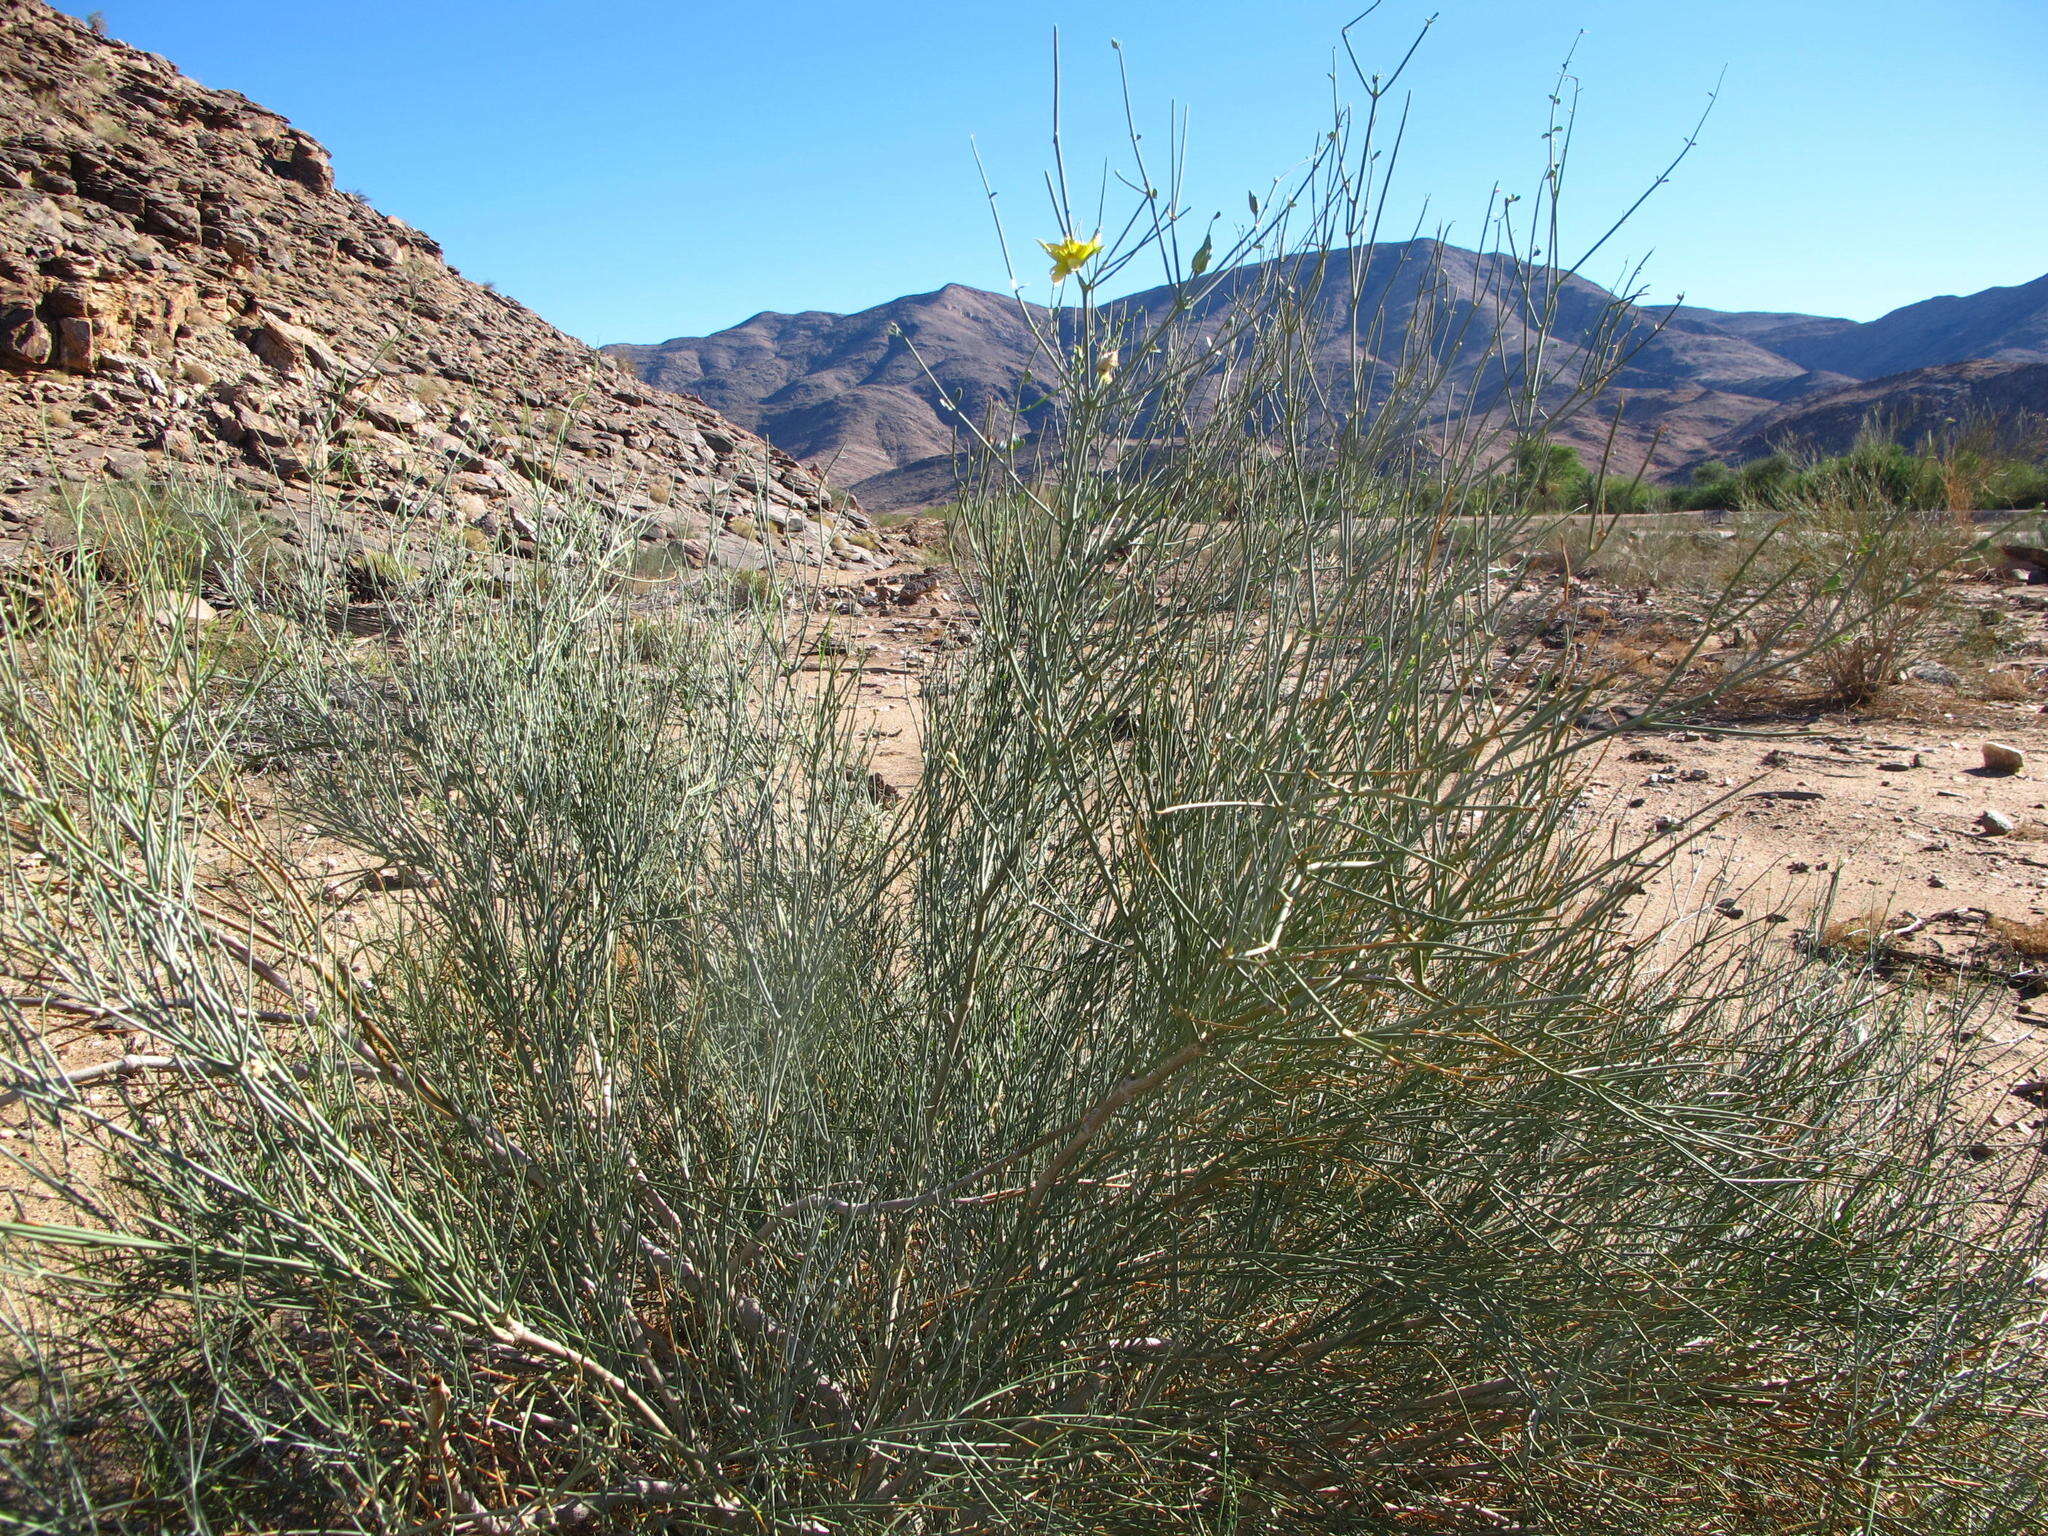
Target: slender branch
136, 1063
1129, 1089
58, 1002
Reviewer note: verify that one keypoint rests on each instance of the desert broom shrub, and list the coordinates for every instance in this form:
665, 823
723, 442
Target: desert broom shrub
192, 535
1224, 1095
1880, 579
1229, 1094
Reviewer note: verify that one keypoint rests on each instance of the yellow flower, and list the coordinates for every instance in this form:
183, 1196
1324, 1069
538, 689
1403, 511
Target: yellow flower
1070, 255
1106, 366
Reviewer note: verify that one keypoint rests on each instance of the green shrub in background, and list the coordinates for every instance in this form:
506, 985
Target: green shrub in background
1546, 477
1876, 475
1540, 476
1872, 476
2016, 487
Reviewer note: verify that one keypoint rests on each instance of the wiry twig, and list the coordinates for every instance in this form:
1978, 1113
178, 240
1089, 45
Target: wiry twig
137, 1063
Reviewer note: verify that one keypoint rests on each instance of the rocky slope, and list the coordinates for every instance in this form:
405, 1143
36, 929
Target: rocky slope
184, 291
1911, 407
2000, 324
1771, 329
865, 395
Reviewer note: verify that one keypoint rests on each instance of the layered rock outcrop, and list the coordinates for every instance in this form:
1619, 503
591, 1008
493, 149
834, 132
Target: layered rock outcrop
183, 290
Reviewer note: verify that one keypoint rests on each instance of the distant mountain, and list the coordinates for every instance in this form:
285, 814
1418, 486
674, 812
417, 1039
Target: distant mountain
1913, 407
863, 397
1767, 328
2002, 324
847, 392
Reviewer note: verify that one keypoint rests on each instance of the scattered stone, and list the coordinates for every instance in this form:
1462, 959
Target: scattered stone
899, 591
1612, 717
179, 612
2000, 758
2028, 561
873, 785
1936, 673
1997, 824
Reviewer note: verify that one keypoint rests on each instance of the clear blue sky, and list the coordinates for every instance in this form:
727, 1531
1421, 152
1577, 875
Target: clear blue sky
639, 169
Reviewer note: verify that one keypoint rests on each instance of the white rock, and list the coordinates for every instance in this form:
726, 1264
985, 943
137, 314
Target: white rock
179, 611
2000, 758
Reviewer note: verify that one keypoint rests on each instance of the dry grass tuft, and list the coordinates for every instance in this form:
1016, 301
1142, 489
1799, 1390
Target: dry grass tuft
2007, 686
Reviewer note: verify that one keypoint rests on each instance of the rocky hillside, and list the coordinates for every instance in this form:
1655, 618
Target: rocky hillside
184, 291
852, 393
1912, 407
1774, 330
2007, 325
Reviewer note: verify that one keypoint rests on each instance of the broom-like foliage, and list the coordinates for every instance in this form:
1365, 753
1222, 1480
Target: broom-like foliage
1230, 1093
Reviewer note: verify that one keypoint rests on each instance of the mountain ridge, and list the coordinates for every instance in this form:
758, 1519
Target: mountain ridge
1699, 379
2003, 324
1918, 407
